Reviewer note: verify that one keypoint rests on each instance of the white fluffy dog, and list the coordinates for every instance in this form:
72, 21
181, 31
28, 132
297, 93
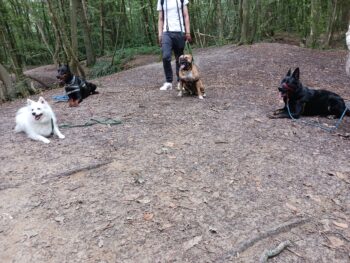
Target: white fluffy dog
37, 120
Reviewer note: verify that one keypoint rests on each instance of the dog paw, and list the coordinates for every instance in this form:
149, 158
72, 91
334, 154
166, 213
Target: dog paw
271, 115
61, 136
44, 140
180, 94
200, 97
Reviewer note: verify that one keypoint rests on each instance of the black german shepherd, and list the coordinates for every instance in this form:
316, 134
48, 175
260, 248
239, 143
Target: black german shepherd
76, 88
304, 101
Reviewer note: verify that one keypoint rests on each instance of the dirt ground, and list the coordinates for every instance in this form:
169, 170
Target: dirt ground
183, 180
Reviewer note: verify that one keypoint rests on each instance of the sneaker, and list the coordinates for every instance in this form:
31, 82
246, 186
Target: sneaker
166, 86
178, 86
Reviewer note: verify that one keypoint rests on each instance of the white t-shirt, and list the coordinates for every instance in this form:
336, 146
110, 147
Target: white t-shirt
171, 15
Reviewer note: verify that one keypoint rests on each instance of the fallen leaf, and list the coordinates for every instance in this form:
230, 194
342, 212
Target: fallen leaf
341, 225
192, 242
148, 216
343, 177
292, 207
335, 242
169, 144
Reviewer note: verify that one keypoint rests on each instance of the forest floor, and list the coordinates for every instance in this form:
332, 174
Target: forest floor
183, 179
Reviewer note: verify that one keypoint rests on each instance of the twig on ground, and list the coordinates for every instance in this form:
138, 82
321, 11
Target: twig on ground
295, 253
80, 169
274, 252
8, 186
272, 232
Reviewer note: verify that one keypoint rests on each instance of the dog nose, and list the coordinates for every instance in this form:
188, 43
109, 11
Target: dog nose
280, 89
33, 113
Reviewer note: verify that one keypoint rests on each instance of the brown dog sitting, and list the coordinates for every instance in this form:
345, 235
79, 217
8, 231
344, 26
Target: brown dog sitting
189, 78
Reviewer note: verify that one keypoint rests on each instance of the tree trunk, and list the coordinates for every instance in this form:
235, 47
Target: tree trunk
314, 26
74, 32
102, 26
7, 88
219, 21
245, 22
64, 39
331, 22
90, 54
147, 22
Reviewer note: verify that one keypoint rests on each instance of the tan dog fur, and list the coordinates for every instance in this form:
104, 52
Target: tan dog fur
189, 78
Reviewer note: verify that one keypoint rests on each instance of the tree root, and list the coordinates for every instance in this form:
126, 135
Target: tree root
271, 232
274, 252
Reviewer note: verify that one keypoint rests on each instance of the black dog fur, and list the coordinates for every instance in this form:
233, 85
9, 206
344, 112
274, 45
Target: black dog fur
303, 101
76, 88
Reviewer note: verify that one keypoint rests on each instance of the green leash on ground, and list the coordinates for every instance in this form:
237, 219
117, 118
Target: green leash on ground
107, 121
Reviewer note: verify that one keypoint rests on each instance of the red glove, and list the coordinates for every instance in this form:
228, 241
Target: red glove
188, 37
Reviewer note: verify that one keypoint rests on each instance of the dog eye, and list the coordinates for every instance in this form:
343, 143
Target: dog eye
38, 108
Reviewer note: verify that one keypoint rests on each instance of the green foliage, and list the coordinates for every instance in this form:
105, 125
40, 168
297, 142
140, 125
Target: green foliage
105, 66
131, 26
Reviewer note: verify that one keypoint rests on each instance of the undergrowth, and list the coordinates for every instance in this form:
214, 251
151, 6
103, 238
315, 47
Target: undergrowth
105, 66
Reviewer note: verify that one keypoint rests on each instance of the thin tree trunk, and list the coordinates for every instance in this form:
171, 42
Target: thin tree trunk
102, 26
7, 88
74, 31
245, 22
90, 54
331, 22
65, 41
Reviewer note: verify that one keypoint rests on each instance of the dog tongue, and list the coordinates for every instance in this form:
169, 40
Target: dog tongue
182, 66
37, 117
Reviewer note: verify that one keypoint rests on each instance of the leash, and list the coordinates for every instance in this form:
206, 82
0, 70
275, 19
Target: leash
189, 49
318, 124
107, 121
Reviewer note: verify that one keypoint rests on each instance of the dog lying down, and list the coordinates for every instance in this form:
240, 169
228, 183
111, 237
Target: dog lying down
76, 88
303, 101
190, 81
37, 120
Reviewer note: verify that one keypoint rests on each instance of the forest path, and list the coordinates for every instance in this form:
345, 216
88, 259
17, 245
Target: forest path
182, 180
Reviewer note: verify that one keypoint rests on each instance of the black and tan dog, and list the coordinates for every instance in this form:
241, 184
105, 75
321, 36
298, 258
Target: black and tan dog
300, 100
190, 81
76, 88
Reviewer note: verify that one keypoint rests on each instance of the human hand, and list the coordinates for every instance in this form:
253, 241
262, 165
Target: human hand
188, 37
160, 40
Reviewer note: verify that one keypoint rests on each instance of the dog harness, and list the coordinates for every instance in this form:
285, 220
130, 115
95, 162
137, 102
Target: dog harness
75, 85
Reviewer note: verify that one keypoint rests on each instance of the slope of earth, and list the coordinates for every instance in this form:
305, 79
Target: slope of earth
183, 180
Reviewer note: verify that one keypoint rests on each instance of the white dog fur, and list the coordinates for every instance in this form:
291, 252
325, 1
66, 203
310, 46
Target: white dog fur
37, 120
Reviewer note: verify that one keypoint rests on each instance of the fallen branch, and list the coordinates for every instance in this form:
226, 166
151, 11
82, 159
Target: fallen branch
79, 169
274, 252
272, 232
39, 81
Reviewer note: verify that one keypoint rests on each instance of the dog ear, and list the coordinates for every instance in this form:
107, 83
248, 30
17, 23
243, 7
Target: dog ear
289, 72
42, 100
29, 102
296, 73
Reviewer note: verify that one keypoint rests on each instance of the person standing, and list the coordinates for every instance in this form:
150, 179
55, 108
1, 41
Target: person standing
173, 31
